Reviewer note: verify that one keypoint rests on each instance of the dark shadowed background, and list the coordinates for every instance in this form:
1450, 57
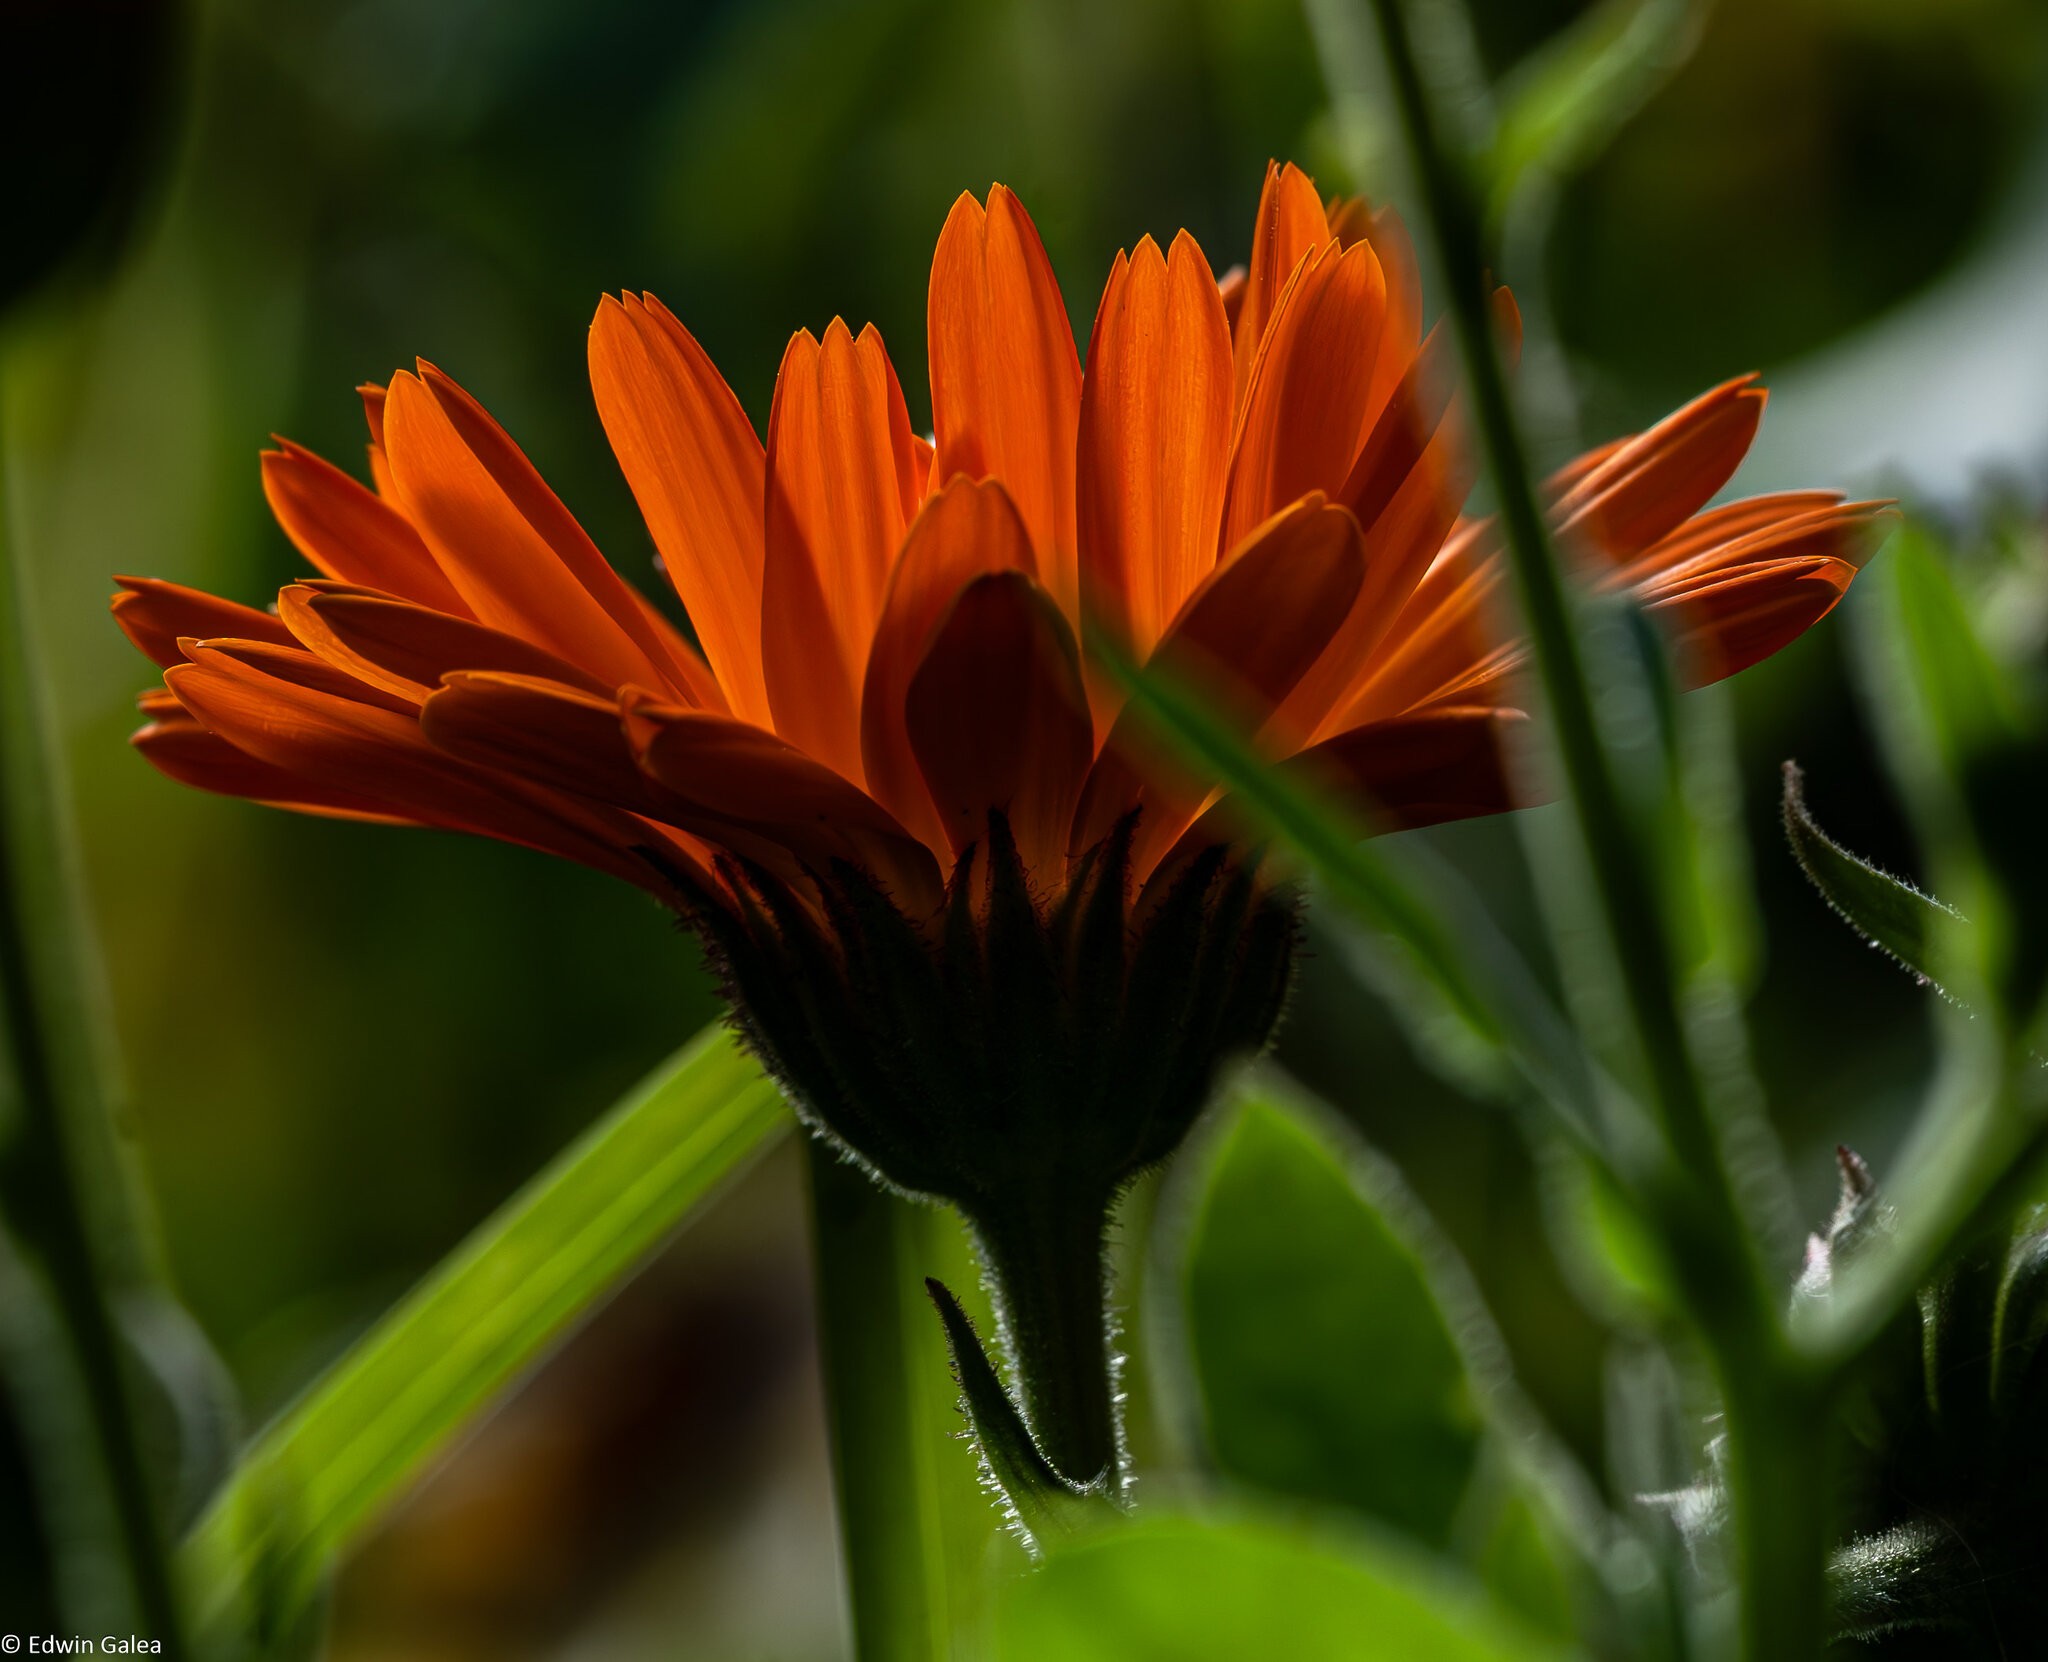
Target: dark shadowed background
346, 1045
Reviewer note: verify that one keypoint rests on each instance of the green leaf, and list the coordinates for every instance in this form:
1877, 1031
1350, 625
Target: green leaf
1325, 1367
1565, 103
1891, 915
1952, 682
325, 1470
1518, 1560
1180, 1589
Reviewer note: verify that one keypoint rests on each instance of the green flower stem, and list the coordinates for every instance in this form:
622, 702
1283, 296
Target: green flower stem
1047, 1267
1781, 1482
912, 1519
62, 1187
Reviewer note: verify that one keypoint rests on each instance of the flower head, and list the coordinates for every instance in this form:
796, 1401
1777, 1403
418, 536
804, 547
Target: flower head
1259, 480
888, 780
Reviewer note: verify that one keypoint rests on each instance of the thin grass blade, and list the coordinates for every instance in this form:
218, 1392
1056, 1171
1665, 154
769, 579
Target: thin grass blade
317, 1478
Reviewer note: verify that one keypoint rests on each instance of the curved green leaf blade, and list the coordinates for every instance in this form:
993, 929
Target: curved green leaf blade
1891, 915
1178, 1589
323, 1472
1325, 1367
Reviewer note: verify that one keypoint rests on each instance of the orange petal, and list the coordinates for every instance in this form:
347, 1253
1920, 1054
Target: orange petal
1407, 487
842, 487
569, 739
1006, 383
1741, 617
999, 721
1154, 438
1651, 485
297, 667
1290, 228
350, 533
1719, 531
1245, 638
1444, 764
372, 395
1734, 605
1304, 410
361, 751
406, 649
1441, 633
182, 750
698, 472
967, 529
552, 732
1423, 769
747, 775
154, 614
1354, 221
1784, 528
507, 544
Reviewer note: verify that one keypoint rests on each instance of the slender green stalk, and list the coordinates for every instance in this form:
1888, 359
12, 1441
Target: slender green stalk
1782, 1534
1780, 1472
53, 1145
1701, 1201
910, 1513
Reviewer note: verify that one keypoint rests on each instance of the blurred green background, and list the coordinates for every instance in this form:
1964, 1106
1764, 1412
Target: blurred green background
345, 1045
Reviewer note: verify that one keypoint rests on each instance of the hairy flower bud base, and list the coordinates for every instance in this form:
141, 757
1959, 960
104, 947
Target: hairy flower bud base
1022, 1060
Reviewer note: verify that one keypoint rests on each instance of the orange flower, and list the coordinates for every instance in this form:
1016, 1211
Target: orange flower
988, 943
1260, 481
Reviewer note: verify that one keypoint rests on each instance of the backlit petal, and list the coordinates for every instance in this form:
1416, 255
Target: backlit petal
1291, 226
351, 533
842, 487
1244, 639
1305, 407
999, 721
181, 749
406, 649
697, 470
505, 541
362, 751
968, 529
743, 773
1006, 382
155, 614
1652, 484
1155, 434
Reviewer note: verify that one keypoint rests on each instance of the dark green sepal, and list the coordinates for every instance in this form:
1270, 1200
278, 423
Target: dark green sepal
1039, 1504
